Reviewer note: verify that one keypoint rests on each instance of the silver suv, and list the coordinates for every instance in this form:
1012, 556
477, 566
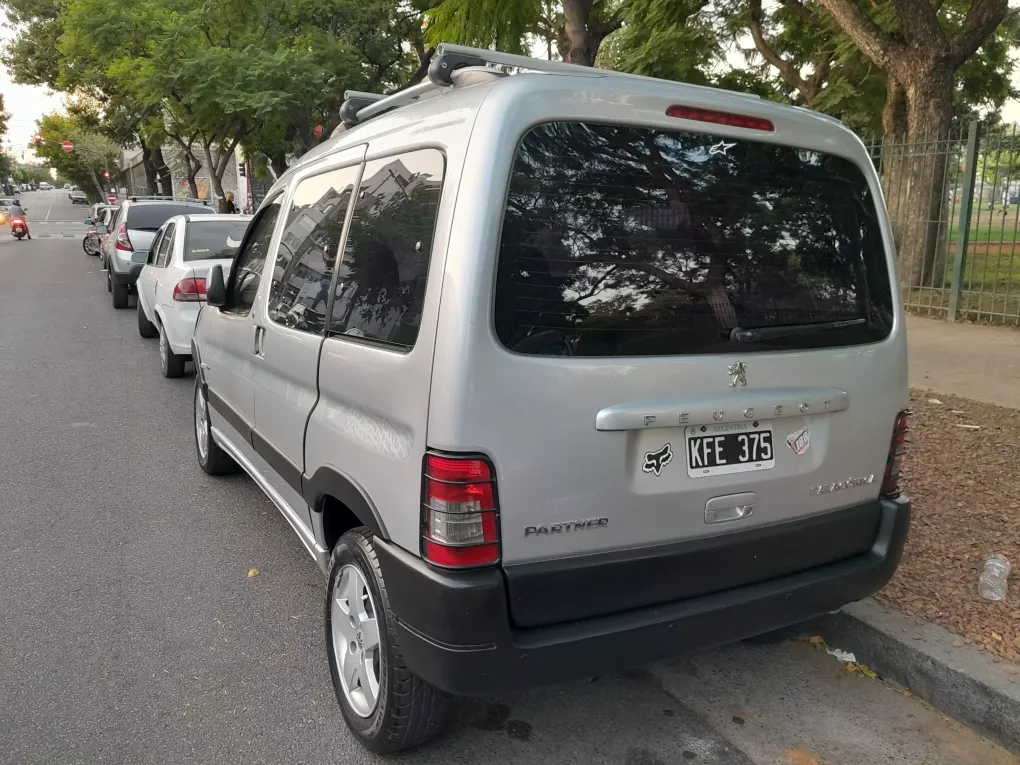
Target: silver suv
562, 372
130, 233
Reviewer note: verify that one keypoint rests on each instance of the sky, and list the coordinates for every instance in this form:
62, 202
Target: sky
27, 103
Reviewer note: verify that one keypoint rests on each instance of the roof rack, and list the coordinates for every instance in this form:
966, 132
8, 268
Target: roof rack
451, 60
165, 198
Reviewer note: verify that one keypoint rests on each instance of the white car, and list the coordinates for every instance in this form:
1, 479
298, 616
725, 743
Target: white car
171, 286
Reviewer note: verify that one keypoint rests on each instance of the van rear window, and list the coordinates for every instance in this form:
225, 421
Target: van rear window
628, 241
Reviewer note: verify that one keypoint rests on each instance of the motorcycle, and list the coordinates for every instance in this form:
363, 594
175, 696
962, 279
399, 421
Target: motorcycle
19, 228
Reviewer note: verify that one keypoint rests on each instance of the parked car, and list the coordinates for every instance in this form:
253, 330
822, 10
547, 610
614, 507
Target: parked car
68, 187
171, 286
132, 231
78, 197
590, 371
44, 186
5, 211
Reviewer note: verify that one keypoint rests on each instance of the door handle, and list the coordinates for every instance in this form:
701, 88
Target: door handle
260, 334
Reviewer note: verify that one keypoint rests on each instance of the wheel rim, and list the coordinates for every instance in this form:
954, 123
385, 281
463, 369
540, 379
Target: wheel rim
162, 348
201, 424
355, 628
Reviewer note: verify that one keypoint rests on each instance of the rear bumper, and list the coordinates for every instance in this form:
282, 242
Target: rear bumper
455, 630
128, 277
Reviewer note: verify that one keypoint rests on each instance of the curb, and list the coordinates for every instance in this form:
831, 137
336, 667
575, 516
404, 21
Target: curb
964, 683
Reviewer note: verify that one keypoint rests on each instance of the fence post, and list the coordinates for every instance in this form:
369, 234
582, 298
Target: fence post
966, 205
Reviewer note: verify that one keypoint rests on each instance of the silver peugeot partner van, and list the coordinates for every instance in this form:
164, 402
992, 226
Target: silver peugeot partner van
558, 372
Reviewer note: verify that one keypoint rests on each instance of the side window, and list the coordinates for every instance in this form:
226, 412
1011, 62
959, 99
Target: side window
154, 247
166, 245
380, 287
308, 250
246, 273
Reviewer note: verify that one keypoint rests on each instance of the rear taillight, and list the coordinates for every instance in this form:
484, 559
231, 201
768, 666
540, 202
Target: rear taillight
190, 291
123, 240
720, 118
893, 463
460, 524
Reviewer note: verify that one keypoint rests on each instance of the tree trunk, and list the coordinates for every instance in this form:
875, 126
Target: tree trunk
162, 172
894, 151
922, 196
150, 171
279, 163
576, 43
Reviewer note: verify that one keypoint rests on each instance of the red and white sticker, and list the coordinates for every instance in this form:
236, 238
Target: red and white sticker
799, 441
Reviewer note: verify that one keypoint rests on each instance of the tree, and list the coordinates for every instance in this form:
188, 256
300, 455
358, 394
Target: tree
577, 26
905, 70
93, 155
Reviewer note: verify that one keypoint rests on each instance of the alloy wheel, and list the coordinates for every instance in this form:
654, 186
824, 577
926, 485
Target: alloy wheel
201, 423
356, 646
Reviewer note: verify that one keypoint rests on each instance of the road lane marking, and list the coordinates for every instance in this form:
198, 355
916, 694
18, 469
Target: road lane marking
53, 198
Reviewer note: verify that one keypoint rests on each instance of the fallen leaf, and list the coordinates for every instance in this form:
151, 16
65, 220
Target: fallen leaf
958, 644
867, 671
253, 572
801, 757
815, 639
908, 693
934, 401
996, 636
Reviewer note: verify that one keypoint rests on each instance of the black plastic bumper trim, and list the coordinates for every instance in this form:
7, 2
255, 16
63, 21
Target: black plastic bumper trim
577, 588
455, 630
328, 481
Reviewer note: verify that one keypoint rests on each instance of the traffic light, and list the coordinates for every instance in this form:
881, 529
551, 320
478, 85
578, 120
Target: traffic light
106, 174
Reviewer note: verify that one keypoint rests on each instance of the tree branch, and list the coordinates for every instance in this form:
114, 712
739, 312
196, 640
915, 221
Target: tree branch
873, 41
787, 69
983, 17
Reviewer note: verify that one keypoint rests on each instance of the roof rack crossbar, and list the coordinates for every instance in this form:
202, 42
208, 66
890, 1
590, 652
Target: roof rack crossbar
397, 99
164, 198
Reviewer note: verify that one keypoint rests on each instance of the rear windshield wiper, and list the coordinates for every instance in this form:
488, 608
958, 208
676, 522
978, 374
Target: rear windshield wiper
741, 335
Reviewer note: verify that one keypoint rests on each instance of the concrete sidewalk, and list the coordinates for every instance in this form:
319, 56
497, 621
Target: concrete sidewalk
968, 360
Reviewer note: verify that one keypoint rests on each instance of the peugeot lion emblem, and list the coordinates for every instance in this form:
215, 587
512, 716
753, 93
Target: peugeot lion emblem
738, 375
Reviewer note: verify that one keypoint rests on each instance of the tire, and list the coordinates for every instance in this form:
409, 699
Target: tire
170, 364
145, 327
211, 458
120, 294
407, 711
109, 280
89, 245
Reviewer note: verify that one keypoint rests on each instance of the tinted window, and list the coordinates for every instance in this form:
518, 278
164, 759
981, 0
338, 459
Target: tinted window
308, 250
152, 216
213, 239
380, 286
623, 241
246, 273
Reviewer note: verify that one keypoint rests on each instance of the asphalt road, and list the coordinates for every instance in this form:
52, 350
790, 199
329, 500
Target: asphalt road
130, 631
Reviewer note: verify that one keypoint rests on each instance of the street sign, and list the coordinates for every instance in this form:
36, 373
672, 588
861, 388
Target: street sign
67, 146
111, 198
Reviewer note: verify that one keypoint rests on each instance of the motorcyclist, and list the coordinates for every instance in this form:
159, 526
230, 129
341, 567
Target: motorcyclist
17, 211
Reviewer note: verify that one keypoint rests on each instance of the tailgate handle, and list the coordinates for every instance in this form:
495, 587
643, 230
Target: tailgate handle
732, 406
731, 508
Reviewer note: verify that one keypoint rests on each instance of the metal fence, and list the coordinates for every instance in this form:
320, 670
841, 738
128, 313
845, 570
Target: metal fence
954, 203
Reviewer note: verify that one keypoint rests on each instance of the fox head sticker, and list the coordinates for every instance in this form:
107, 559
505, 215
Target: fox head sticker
657, 460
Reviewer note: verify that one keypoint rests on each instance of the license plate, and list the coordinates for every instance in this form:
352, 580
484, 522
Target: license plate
736, 447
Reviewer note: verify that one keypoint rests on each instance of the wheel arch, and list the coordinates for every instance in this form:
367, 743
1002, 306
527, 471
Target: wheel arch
342, 503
